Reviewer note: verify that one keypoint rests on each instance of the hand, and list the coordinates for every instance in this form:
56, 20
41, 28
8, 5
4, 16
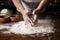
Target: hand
35, 14
36, 11
27, 19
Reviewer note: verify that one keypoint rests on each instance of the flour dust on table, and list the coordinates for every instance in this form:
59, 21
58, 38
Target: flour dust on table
43, 26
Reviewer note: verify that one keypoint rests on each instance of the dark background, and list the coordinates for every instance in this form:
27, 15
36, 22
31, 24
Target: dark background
52, 8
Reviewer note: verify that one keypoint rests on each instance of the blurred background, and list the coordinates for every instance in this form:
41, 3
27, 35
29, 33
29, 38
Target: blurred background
52, 9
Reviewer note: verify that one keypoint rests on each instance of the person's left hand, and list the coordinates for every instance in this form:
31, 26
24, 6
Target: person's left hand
35, 14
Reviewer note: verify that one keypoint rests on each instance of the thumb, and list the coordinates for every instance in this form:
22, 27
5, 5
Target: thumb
35, 18
33, 12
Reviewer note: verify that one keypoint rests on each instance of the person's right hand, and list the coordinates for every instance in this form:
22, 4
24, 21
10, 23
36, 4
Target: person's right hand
27, 19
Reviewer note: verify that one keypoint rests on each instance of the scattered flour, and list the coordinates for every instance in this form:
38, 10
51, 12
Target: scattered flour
43, 26
4, 27
40, 27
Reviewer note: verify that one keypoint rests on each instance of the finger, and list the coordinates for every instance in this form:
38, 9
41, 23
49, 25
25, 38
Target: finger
35, 18
26, 20
33, 12
31, 21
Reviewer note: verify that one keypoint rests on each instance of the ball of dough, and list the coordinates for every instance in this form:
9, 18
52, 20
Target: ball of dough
5, 12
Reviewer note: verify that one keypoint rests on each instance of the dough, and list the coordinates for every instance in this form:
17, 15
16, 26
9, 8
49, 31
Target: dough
5, 12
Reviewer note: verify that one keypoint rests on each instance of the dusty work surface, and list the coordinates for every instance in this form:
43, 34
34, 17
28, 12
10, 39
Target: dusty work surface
12, 36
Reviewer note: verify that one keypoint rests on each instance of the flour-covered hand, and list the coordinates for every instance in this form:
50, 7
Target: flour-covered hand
35, 18
26, 18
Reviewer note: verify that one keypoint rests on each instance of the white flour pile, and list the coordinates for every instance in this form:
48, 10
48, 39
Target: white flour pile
43, 26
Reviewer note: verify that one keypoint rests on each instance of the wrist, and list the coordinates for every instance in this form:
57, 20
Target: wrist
37, 8
24, 12
36, 11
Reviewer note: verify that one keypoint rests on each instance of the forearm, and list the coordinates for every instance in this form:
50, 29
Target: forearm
42, 4
18, 6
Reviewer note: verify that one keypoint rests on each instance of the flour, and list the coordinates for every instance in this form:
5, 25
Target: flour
4, 27
43, 26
